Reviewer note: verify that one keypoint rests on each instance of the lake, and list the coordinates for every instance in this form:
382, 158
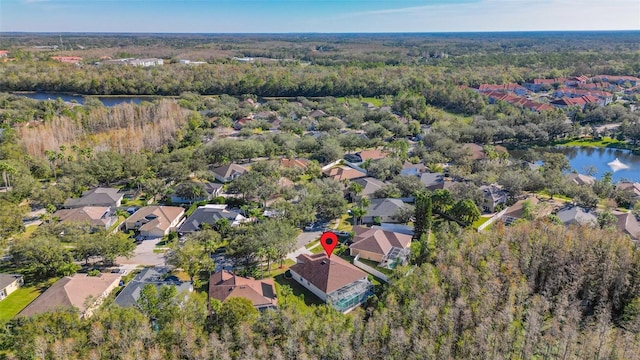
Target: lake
581, 158
107, 101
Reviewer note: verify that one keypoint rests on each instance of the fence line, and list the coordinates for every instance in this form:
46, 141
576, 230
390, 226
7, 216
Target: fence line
369, 269
493, 219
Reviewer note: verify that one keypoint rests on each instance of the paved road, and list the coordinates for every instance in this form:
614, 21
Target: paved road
306, 237
144, 255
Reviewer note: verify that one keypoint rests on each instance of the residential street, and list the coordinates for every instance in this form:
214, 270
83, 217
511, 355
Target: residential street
144, 255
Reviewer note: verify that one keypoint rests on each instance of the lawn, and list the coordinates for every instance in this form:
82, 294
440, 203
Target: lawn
375, 101
605, 142
374, 265
28, 231
312, 244
276, 270
483, 219
345, 223
19, 299
299, 293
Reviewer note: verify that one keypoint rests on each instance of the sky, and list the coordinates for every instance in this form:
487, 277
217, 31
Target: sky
323, 16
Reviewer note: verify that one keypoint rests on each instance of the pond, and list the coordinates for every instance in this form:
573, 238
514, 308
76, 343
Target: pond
603, 159
107, 101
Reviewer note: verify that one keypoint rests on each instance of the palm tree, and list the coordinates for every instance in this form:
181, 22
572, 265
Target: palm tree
6, 169
355, 189
358, 213
52, 156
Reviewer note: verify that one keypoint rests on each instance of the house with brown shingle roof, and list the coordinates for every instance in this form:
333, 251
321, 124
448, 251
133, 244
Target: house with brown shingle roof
224, 285
99, 217
516, 211
372, 154
382, 246
155, 221
333, 280
79, 291
340, 173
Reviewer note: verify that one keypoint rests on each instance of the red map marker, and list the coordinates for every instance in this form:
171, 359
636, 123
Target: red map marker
329, 241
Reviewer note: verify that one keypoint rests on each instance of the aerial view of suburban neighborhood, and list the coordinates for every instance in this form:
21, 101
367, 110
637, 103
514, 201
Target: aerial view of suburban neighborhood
393, 194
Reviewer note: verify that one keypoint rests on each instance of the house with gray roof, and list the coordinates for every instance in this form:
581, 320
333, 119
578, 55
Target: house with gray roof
107, 197
432, 181
229, 172
493, 197
210, 214
9, 283
369, 186
211, 190
628, 224
581, 179
409, 169
577, 215
158, 276
384, 209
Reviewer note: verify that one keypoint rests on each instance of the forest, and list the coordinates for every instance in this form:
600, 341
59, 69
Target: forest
535, 290
532, 290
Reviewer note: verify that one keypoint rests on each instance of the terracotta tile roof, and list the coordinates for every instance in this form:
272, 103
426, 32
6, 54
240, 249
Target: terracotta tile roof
550, 81
378, 241
72, 291
343, 173
224, 285
289, 163
326, 274
373, 154
67, 59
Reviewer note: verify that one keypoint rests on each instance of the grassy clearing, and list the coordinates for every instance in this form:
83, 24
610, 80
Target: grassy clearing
605, 142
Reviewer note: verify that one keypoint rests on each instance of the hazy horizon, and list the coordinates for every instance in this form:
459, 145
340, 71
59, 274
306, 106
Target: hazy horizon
316, 16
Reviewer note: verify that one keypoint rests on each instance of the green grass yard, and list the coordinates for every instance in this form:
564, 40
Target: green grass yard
483, 219
19, 299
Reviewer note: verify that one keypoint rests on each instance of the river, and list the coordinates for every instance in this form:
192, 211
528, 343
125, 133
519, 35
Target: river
107, 101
